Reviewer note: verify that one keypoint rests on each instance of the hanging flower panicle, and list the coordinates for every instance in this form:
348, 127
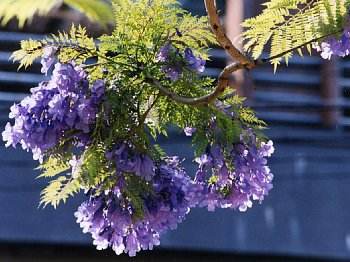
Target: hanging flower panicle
235, 179
112, 218
64, 105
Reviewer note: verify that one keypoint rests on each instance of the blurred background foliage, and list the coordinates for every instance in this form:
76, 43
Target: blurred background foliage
23, 11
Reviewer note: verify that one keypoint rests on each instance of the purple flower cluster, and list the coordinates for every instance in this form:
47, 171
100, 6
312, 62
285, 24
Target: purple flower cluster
233, 180
127, 160
174, 62
335, 46
111, 217
189, 131
63, 106
48, 58
197, 64
164, 53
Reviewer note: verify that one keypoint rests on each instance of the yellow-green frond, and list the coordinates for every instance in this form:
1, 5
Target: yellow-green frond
29, 52
54, 166
147, 25
24, 10
75, 45
287, 25
248, 116
59, 190
96, 10
94, 169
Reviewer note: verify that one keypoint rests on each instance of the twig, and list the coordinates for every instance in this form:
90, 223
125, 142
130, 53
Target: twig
144, 115
93, 65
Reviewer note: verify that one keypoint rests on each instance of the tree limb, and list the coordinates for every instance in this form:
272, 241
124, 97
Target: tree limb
223, 83
222, 38
242, 62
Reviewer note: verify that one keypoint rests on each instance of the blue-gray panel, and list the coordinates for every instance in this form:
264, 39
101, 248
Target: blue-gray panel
305, 214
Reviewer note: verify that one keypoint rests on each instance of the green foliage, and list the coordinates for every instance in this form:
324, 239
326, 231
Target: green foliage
59, 190
290, 25
229, 129
92, 172
62, 187
75, 45
134, 191
158, 152
143, 27
54, 165
245, 114
194, 32
200, 142
29, 52
170, 112
24, 10
94, 168
213, 180
248, 117
96, 10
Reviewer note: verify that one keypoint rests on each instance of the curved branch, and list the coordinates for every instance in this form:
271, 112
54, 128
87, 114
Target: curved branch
223, 83
243, 62
221, 36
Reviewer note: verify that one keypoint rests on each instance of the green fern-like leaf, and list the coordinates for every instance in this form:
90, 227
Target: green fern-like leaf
59, 190
53, 166
75, 45
159, 152
29, 52
24, 10
146, 24
248, 116
289, 25
94, 169
195, 32
199, 143
230, 130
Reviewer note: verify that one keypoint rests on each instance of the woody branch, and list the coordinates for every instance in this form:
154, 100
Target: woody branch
241, 62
